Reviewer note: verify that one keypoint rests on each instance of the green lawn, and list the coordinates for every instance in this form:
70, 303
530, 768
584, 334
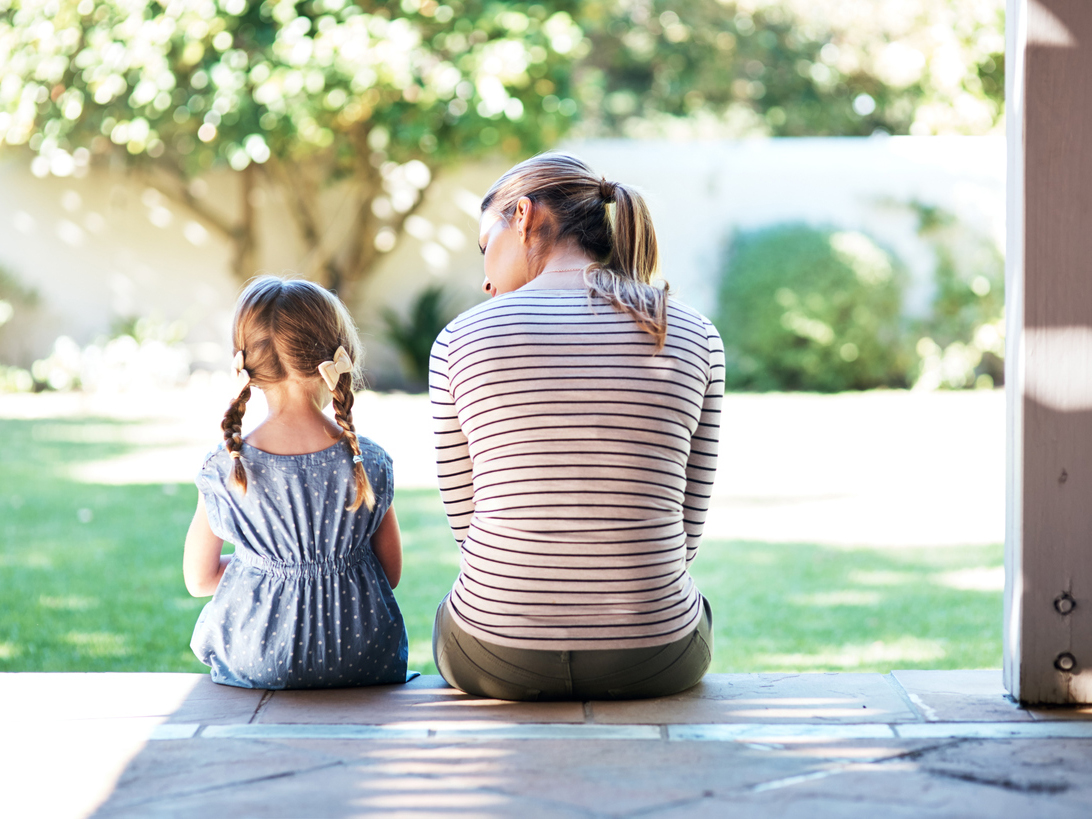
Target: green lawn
91, 580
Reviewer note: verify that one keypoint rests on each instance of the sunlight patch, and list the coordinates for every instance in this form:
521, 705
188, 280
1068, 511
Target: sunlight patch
98, 643
844, 597
883, 578
31, 560
162, 465
9, 651
981, 578
852, 656
70, 603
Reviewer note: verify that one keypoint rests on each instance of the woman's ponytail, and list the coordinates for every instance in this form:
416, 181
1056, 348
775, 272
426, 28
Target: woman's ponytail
634, 252
625, 280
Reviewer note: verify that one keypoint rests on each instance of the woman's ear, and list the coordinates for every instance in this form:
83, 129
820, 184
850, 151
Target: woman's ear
525, 215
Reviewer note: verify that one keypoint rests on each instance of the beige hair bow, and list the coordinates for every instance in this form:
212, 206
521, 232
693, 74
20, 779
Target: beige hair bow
332, 370
242, 377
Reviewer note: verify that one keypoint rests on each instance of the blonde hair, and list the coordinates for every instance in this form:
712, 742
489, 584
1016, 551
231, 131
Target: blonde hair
288, 327
607, 220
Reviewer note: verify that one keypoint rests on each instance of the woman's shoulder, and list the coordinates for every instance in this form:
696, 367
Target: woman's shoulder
471, 317
680, 311
517, 303
686, 317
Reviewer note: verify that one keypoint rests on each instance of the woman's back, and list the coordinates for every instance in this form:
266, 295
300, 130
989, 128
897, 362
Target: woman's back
577, 469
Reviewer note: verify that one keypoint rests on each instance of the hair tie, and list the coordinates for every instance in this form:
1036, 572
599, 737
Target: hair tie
331, 370
606, 190
242, 377
235, 454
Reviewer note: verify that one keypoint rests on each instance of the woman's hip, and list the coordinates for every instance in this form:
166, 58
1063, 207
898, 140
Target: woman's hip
488, 669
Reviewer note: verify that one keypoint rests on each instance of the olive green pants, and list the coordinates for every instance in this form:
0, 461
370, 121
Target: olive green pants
500, 672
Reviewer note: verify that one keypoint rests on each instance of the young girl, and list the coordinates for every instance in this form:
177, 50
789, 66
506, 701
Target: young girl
306, 600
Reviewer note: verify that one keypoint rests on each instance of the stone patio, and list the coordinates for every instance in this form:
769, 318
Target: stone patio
910, 743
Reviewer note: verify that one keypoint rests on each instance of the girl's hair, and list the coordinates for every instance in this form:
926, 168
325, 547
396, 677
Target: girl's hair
578, 206
288, 327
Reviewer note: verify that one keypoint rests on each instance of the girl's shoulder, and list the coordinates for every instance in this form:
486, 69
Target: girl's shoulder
218, 460
216, 455
373, 452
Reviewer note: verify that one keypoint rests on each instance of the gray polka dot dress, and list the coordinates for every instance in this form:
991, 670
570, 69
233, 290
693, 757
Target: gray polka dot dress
304, 603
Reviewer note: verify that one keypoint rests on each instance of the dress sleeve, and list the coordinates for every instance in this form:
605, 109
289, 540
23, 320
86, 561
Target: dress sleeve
701, 467
213, 487
380, 471
453, 463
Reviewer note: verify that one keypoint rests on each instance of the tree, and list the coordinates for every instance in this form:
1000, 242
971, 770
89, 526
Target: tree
301, 95
377, 96
792, 67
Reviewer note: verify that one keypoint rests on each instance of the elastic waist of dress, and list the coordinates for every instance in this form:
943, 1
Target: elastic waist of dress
318, 568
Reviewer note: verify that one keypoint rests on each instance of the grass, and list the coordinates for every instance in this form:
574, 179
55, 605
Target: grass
91, 580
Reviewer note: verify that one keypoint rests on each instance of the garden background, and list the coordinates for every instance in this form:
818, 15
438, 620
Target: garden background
827, 184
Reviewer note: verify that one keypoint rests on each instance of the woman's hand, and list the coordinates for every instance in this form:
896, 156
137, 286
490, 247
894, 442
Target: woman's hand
202, 562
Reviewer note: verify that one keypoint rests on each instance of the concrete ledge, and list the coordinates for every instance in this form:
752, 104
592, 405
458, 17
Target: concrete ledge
944, 743
896, 698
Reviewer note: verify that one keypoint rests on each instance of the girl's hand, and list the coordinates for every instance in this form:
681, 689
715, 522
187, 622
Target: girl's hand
202, 562
387, 545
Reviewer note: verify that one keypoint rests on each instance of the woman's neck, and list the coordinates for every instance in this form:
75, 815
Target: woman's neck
296, 424
563, 270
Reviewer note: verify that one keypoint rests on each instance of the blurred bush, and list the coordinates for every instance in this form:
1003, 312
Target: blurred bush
413, 335
803, 308
962, 342
140, 353
14, 296
16, 300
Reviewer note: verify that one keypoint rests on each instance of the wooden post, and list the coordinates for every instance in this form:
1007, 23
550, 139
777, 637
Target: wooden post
1048, 368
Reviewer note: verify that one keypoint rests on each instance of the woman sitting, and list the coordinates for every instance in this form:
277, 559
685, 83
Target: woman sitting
577, 418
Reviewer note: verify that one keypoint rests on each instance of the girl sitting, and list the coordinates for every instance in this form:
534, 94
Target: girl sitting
306, 600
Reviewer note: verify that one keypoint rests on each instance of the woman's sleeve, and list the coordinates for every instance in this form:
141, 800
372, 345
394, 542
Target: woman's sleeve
701, 467
453, 464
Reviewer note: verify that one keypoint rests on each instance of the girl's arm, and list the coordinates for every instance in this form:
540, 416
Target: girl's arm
387, 545
202, 563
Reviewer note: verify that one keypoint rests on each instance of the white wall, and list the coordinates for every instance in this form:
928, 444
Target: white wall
93, 249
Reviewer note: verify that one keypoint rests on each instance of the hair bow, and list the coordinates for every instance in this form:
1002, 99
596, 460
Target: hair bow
331, 370
242, 377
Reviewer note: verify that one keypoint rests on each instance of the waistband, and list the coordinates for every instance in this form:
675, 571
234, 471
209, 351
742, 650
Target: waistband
318, 568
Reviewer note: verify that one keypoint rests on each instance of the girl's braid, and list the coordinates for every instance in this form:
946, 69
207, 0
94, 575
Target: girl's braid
343, 414
232, 425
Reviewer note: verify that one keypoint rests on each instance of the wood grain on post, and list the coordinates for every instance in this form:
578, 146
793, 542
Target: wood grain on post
1048, 549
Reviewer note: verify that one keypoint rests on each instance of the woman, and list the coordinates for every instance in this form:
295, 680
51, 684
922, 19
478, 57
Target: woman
577, 418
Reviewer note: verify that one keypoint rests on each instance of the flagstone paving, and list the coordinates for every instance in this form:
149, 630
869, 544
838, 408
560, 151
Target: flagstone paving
907, 744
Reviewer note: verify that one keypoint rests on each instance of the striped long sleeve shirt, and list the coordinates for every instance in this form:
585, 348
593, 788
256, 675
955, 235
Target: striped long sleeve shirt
576, 466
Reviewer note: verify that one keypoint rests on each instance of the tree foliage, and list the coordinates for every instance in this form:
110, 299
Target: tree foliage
306, 94
793, 67
300, 95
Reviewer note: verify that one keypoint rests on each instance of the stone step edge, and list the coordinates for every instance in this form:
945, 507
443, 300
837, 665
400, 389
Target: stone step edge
737, 732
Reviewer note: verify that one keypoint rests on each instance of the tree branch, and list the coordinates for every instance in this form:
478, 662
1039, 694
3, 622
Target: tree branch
174, 187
